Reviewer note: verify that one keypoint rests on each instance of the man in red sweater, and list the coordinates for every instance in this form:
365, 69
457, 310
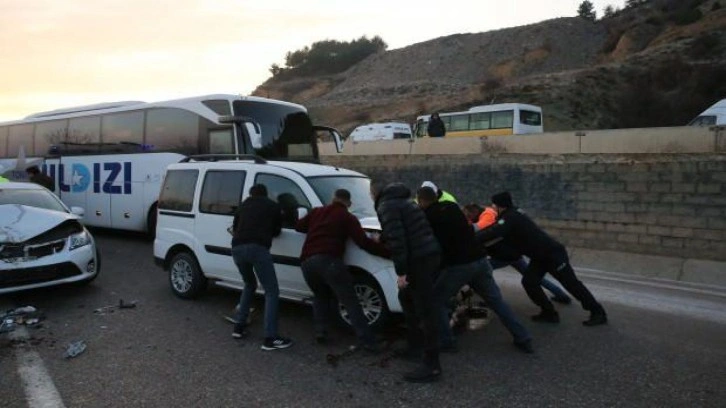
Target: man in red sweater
328, 229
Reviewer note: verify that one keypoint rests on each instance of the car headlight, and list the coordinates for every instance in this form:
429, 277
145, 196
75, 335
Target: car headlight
79, 240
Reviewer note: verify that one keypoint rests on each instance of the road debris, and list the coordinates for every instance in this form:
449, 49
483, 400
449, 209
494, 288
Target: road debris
74, 349
111, 308
22, 316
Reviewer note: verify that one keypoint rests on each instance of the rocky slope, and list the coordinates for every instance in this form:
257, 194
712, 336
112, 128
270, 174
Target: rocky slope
654, 65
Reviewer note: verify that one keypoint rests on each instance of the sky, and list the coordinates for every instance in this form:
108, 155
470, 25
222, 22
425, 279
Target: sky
62, 53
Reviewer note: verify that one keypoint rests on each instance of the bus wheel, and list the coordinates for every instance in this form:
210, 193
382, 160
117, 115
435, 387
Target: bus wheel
151, 222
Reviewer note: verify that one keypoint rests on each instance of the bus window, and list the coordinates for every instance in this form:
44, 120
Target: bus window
84, 130
459, 122
530, 118
3, 141
421, 128
49, 133
172, 130
480, 121
705, 120
20, 135
502, 120
125, 127
219, 106
221, 142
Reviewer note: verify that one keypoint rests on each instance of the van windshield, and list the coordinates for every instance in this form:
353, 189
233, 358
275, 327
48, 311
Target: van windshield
360, 192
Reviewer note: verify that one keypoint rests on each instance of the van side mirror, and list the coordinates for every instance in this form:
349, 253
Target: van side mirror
253, 129
334, 134
79, 211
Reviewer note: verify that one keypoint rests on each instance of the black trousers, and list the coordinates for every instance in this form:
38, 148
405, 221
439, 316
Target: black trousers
558, 265
419, 306
329, 278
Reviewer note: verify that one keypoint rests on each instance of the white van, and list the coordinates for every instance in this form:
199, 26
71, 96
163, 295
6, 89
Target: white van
381, 131
713, 116
197, 204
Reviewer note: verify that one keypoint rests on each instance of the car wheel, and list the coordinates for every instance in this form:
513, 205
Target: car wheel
185, 276
372, 300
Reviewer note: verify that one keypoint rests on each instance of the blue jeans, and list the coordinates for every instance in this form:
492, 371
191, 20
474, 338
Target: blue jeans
251, 260
478, 275
520, 265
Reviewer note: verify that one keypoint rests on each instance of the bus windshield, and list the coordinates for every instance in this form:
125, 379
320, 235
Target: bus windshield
287, 131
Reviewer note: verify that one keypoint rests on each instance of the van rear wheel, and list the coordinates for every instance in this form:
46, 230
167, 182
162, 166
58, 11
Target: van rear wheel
185, 276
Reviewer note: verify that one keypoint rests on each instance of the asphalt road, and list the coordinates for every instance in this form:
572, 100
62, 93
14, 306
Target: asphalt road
665, 346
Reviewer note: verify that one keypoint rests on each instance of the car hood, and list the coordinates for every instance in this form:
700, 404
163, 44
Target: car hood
19, 223
370, 223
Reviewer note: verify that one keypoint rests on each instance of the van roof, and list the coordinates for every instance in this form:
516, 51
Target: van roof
304, 169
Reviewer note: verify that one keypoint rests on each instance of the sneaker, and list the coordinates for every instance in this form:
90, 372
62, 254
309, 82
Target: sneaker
564, 299
596, 319
240, 331
525, 346
274, 343
547, 317
423, 374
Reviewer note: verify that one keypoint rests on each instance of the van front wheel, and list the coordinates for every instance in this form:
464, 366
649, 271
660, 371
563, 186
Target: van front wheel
372, 301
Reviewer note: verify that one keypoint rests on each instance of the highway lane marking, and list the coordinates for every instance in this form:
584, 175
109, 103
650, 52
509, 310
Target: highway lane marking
40, 391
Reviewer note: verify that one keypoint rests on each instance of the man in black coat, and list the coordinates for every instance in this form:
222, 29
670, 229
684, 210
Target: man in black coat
256, 222
464, 262
546, 255
436, 127
416, 255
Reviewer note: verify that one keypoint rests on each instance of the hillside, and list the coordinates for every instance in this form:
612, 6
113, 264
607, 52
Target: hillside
657, 64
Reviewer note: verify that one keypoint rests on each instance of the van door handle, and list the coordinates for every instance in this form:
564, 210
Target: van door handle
127, 215
98, 213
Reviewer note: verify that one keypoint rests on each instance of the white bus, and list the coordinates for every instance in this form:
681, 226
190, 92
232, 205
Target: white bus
111, 158
488, 120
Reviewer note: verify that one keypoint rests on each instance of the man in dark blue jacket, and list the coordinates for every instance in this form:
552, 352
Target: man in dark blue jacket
546, 255
416, 255
464, 262
256, 222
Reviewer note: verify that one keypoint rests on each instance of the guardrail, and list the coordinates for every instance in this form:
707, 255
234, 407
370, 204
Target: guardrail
687, 139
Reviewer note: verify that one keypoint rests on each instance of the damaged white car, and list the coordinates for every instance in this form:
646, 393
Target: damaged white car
42, 242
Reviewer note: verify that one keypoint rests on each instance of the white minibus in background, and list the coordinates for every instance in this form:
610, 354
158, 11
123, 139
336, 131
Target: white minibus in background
381, 131
713, 116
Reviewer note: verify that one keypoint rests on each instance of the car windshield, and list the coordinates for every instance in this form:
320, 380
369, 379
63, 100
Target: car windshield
32, 198
359, 187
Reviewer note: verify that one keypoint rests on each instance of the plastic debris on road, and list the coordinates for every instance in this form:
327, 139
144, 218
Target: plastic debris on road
74, 349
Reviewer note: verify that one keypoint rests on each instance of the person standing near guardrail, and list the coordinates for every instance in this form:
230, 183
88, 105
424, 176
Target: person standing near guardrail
436, 127
545, 254
416, 256
256, 222
440, 194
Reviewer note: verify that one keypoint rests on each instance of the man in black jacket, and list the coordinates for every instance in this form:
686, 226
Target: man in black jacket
436, 127
416, 255
546, 255
464, 262
256, 222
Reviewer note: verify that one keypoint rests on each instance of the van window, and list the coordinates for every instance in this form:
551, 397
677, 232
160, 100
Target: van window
222, 192
705, 120
530, 118
177, 194
286, 193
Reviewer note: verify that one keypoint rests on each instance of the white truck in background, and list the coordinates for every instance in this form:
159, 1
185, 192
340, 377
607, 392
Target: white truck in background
713, 116
381, 131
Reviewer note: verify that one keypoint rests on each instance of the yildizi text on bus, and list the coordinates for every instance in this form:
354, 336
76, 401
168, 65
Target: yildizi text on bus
487, 120
111, 158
